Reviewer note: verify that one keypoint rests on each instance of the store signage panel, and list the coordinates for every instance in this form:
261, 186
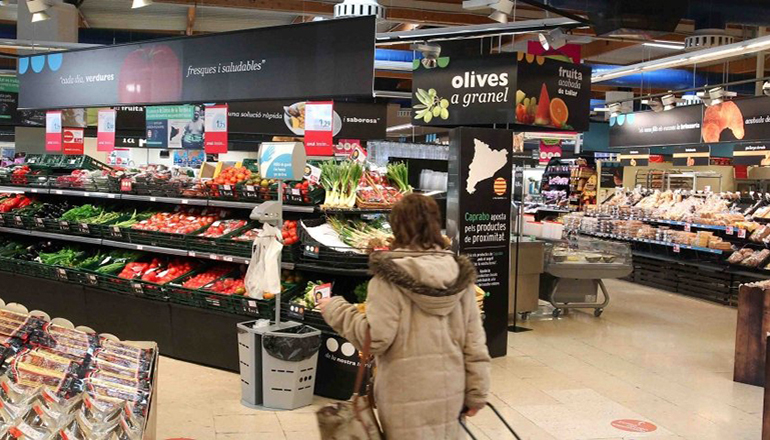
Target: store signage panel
688, 156
73, 141
281, 62
752, 154
478, 217
53, 128
737, 120
319, 126
282, 160
9, 100
636, 157
551, 93
215, 138
105, 130
286, 118
678, 126
175, 126
465, 91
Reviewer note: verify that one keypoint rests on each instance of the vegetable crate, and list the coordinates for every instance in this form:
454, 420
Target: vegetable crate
295, 196
35, 269
13, 220
244, 305
312, 318
154, 238
109, 282
188, 296
68, 274
81, 162
314, 252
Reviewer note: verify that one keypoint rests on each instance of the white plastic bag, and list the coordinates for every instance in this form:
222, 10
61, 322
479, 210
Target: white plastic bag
264, 273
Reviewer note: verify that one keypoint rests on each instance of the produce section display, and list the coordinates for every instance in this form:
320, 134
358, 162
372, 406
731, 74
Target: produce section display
58, 382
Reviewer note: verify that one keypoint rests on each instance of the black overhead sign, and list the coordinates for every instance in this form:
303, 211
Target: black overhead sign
326, 59
739, 120
681, 125
638, 157
688, 156
502, 89
351, 120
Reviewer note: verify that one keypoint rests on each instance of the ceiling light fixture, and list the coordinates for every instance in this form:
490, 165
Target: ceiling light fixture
40, 16
665, 45
555, 39
669, 101
141, 3
705, 55
614, 109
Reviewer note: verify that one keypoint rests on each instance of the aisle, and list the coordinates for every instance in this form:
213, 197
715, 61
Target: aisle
656, 357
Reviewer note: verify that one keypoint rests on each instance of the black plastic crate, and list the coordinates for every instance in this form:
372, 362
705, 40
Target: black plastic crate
313, 252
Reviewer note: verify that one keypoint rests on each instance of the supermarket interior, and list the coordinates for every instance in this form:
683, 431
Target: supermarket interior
188, 188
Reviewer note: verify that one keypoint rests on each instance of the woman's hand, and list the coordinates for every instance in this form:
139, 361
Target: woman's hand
470, 412
322, 303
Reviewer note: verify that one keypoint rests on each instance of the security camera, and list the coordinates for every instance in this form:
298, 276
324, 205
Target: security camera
430, 53
766, 88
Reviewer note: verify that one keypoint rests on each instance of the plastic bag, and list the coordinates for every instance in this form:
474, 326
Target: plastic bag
291, 349
264, 274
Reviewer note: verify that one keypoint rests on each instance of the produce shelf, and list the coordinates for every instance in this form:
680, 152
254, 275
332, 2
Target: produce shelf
149, 198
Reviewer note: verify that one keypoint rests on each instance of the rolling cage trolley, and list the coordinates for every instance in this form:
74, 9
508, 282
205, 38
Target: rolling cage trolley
574, 273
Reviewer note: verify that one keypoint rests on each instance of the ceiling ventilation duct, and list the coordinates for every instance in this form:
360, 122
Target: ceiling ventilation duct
358, 8
705, 38
637, 18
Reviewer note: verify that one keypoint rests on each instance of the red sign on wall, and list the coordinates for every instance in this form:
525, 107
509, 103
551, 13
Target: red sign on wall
74, 139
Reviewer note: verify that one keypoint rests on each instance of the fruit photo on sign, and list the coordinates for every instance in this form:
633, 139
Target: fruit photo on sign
150, 74
430, 106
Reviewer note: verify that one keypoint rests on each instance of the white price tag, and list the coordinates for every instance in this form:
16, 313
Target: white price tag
687, 227
191, 254
214, 257
139, 247
676, 249
152, 199
228, 259
111, 196
741, 233
729, 230
59, 192
86, 194
185, 201
226, 187
34, 190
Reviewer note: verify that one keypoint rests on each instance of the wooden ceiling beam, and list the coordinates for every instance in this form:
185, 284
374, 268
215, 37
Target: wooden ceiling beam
191, 10
301, 7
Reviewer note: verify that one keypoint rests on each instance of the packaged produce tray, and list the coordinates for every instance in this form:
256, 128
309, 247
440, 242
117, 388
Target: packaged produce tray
179, 294
314, 252
195, 242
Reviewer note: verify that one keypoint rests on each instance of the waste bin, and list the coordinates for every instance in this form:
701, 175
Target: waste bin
289, 364
250, 358
338, 363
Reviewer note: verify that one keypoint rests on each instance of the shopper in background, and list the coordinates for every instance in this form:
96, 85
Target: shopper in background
432, 359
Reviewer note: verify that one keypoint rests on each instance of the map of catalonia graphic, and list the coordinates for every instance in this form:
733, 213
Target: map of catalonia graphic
486, 162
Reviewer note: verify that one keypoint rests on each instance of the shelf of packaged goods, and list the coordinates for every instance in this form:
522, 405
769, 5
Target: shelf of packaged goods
661, 243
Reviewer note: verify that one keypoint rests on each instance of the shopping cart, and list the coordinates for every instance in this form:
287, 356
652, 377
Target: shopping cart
462, 423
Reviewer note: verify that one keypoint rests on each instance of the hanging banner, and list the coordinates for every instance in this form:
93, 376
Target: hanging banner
105, 130
638, 157
9, 100
549, 148
53, 129
752, 154
282, 118
175, 126
216, 129
478, 218
678, 126
691, 156
498, 89
283, 62
73, 140
318, 120
459, 91
551, 93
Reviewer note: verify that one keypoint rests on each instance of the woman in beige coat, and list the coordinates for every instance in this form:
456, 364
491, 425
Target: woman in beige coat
432, 359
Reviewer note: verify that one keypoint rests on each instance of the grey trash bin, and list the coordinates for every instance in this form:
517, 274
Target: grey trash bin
278, 364
250, 359
289, 365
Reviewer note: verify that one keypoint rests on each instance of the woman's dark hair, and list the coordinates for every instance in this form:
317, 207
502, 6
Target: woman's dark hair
416, 223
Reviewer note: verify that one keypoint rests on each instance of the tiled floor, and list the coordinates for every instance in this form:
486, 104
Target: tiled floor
652, 357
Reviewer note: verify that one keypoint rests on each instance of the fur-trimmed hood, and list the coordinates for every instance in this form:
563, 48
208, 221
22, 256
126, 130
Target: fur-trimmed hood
434, 280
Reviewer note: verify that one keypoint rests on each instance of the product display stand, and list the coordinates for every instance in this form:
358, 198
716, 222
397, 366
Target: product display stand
582, 280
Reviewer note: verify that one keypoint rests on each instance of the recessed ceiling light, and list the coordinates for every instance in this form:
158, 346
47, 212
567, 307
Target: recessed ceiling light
141, 3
